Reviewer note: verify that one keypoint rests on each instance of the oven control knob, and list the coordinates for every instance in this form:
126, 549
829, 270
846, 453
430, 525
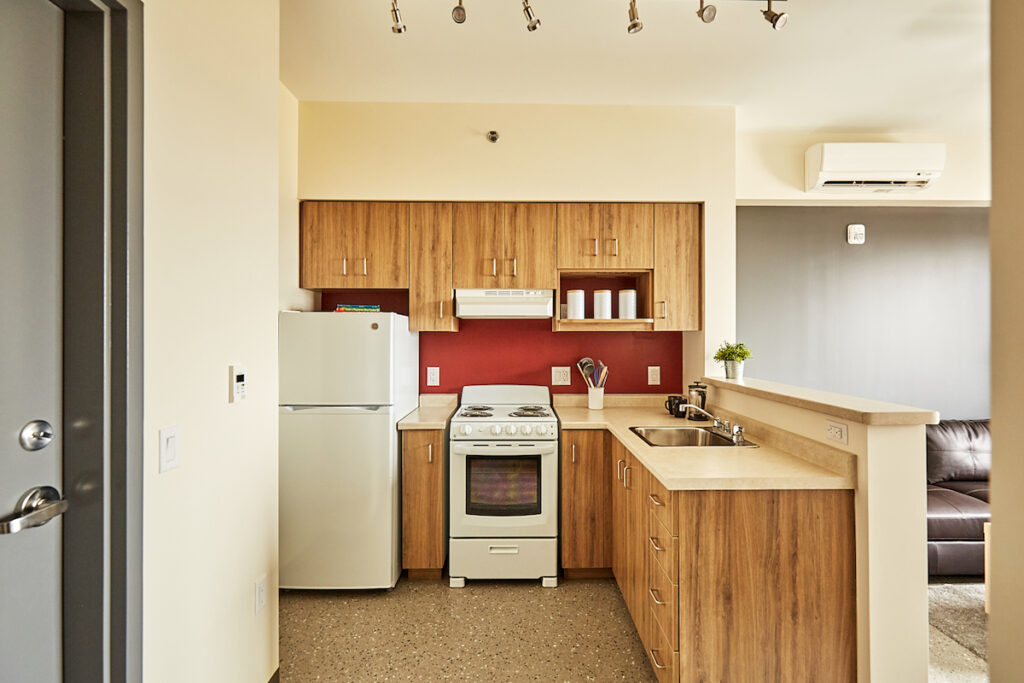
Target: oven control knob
511, 429
467, 429
496, 429
542, 429
527, 429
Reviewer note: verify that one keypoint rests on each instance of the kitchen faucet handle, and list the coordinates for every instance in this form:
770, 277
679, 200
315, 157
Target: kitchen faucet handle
737, 434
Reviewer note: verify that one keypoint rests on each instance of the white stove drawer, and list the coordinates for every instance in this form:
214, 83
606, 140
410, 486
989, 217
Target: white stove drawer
503, 558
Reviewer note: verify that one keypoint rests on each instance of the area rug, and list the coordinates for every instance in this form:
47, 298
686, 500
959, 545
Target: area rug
958, 610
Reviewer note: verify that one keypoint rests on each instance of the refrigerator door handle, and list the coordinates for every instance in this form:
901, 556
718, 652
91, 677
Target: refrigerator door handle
335, 410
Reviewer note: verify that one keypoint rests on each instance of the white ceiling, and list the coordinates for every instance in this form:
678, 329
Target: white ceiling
839, 64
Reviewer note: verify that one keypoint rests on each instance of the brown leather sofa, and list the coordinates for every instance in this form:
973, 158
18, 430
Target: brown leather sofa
959, 463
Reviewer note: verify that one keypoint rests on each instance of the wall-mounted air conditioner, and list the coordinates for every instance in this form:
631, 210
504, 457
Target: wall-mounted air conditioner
866, 167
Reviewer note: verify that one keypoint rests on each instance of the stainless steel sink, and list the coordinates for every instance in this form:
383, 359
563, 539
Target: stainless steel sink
676, 437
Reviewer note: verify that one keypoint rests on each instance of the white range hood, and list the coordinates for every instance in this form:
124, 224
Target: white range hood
504, 303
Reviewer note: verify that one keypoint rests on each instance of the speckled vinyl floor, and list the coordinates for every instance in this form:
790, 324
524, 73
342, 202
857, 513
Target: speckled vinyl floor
488, 631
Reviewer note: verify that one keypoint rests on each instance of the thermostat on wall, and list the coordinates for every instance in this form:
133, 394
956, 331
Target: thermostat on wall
855, 233
236, 382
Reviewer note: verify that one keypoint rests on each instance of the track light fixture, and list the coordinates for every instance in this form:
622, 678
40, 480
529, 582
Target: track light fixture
777, 19
459, 13
707, 13
635, 25
532, 22
396, 15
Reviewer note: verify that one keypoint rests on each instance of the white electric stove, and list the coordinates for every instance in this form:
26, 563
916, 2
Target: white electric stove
504, 485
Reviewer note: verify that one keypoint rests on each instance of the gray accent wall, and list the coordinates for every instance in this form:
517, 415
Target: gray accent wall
904, 317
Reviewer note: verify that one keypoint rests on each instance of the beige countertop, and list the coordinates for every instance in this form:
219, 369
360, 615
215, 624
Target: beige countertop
713, 468
862, 410
433, 412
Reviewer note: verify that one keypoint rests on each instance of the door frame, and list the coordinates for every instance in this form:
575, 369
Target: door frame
102, 332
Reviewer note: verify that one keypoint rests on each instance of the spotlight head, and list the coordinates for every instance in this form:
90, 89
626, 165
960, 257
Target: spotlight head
635, 25
396, 16
707, 13
459, 13
532, 22
778, 20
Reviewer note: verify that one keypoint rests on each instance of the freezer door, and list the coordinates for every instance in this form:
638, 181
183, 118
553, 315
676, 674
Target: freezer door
339, 498
336, 358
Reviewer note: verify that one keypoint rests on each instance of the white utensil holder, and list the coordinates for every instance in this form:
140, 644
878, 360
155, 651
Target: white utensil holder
595, 398
575, 302
602, 304
627, 304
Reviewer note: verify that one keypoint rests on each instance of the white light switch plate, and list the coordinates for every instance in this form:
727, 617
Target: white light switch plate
433, 377
561, 376
653, 374
836, 431
169, 444
261, 593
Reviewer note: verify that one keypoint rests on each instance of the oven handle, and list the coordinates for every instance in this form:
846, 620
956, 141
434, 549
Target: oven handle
464, 449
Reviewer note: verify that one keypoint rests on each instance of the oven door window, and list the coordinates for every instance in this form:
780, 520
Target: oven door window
503, 486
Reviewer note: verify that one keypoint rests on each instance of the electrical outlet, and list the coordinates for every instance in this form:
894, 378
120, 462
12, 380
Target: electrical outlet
561, 376
653, 374
836, 431
169, 443
433, 377
261, 593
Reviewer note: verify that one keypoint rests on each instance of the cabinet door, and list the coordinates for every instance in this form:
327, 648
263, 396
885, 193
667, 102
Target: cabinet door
678, 250
530, 247
618, 464
579, 236
628, 236
586, 500
430, 263
326, 244
478, 245
424, 536
383, 247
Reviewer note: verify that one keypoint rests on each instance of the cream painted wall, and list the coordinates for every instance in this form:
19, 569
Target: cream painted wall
211, 295
291, 297
546, 153
770, 168
1007, 243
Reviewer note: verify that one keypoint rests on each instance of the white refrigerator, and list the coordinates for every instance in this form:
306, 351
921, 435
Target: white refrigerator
345, 381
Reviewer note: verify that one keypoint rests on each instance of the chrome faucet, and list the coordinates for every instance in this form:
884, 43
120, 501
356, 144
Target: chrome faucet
687, 407
720, 426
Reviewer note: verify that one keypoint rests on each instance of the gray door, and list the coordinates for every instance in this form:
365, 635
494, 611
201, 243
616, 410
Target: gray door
31, 64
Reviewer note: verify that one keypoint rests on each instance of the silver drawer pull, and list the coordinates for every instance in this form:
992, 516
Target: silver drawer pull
657, 501
654, 596
344, 266
364, 266
494, 267
503, 549
654, 544
654, 658
430, 452
618, 469
574, 452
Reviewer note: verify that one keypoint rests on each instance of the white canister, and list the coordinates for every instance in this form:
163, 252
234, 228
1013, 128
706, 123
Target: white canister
595, 398
602, 304
627, 304
575, 304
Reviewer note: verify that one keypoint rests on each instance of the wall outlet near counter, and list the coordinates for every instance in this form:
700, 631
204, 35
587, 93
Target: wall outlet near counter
653, 375
836, 431
561, 376
433, 377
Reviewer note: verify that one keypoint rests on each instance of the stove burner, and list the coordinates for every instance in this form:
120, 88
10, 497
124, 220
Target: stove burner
476, 413
532, 409
529, 413
477, 409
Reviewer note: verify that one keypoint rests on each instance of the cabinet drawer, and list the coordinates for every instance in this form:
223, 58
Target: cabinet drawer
663, 600
662, 504
664, 549
664, 659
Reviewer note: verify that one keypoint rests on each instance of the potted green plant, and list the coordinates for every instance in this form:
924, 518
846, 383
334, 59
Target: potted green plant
733, 356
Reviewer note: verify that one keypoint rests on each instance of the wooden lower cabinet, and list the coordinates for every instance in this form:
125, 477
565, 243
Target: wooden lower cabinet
424, 502
586, 531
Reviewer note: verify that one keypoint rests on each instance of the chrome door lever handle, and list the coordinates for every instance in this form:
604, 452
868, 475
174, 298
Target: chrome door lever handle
35, 508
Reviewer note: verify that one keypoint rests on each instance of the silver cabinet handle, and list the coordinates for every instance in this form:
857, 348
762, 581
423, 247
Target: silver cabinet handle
430, 452
654, 658
344, 266
654, 596
494, 267
503, 549
664, 309
514, 268
574, 452
625, 477
440, 310
597, 246
657, 501
364, 266
618, 469
654, 544
616, 240
36, 507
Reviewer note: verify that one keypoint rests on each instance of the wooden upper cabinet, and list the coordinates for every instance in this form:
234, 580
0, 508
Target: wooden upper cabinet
678, 255
424, 504
628, 234
430, 263
529, 246
478, 251
580, 232
587, 474
346, 245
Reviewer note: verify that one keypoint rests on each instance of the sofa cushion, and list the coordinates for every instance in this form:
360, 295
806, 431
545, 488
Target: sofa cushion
959, 450
954, 516
974, 489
